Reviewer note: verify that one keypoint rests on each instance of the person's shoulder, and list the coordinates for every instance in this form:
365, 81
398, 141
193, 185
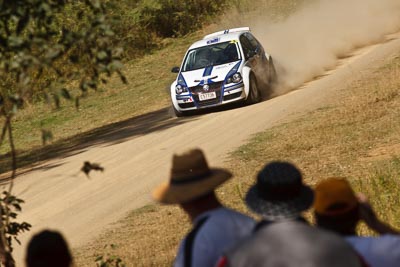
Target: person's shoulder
389, 237
226, 216
389, 240
233, 213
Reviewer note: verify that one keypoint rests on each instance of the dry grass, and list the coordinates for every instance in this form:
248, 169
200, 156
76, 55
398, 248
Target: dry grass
355, 136
132, 241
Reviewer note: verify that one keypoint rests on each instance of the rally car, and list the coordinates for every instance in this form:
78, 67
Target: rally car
224, 67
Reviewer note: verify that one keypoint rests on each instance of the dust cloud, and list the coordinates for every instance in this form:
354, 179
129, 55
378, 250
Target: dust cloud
311, 41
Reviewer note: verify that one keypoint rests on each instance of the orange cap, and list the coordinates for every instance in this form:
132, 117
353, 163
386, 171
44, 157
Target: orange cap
334, 196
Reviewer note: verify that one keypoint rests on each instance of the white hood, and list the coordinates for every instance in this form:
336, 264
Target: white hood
209, 74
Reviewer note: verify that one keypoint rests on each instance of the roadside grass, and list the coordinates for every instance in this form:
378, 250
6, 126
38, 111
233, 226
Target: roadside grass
354, 136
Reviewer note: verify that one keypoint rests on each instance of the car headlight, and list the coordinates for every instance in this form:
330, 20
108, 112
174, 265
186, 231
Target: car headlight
235, 78
179, 89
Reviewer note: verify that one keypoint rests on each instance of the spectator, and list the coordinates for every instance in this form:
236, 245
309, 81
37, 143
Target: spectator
291, 243
279, 193
283, 238
215, 227
338, 209
48, 249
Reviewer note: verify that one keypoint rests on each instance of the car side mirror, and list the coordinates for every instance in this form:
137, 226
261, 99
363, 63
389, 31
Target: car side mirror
175, 70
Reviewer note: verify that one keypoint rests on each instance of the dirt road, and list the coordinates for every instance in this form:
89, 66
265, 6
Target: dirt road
136, 157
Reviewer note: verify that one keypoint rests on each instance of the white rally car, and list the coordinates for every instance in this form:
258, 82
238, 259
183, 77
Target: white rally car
223, 67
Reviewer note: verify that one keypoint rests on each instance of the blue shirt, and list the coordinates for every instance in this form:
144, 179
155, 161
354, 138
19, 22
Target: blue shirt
222, 229
381, 251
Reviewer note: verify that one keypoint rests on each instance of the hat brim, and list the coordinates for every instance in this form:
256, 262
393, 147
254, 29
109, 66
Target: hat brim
168, 193
278, 210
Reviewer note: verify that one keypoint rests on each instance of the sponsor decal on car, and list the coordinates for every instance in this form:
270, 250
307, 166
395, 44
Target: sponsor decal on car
213, 41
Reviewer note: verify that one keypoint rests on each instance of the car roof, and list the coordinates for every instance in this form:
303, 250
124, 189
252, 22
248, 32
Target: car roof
220, 37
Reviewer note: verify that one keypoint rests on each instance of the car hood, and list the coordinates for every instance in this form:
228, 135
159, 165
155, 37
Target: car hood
209, 74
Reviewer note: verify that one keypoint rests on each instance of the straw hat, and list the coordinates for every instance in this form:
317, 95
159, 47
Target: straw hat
279, 192
190, 178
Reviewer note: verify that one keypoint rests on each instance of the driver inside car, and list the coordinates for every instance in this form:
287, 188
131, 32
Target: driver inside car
203, 58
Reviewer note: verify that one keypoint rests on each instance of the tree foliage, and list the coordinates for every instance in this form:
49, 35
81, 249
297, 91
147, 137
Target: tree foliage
44, 46
40, 50
10, 206
143, 24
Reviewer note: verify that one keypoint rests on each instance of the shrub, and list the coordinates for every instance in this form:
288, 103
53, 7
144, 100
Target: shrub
142, 24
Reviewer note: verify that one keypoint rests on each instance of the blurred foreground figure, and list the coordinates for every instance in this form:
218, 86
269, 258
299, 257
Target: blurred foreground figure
292, 244
279, 193
215, 227
48, 249
337, 208
283, 238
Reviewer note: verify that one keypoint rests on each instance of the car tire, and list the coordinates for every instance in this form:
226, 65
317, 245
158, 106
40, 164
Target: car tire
176, 113
254, 92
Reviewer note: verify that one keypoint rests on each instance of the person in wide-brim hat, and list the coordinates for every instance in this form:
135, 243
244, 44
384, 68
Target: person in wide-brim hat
190, 177
279, 192
192, 185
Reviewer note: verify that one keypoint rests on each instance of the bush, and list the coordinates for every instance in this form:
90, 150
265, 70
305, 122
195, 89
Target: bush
142, 24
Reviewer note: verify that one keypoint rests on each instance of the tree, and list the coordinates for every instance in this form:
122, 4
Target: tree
44, 46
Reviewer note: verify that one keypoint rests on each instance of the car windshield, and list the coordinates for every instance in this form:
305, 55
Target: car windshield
211, 55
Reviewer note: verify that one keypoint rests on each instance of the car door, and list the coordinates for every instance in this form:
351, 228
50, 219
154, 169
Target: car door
259, 48
253, 54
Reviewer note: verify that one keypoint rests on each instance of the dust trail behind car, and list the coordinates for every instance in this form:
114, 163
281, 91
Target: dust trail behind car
310, 41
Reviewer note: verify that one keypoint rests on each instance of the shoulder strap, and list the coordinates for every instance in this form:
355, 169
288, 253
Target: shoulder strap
188, 251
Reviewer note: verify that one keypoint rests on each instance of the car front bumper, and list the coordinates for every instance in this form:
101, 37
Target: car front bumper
224, 95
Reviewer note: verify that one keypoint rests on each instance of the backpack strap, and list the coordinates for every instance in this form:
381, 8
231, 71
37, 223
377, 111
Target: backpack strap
188, 250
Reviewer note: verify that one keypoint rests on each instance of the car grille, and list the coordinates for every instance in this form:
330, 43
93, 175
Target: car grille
213, 87
186, 105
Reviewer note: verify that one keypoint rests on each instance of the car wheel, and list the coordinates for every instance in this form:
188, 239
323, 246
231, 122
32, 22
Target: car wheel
177, 113
254, 92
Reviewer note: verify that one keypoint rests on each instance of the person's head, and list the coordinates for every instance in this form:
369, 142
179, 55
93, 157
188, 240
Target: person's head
279, 192
191, 180
204, 53
336, 206
291, 244
48, 249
